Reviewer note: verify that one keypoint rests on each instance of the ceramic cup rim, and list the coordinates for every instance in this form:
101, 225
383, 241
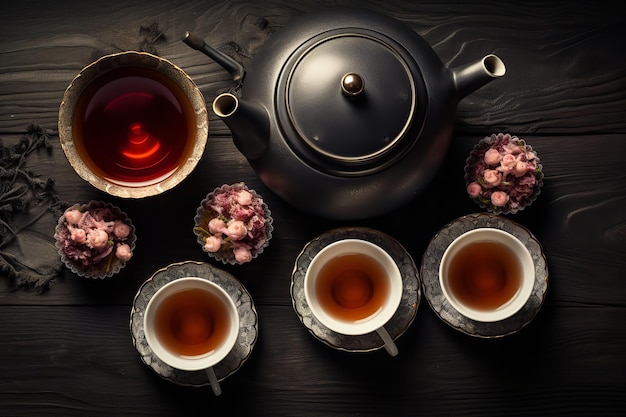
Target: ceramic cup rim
345, 247
198, 362
526, 262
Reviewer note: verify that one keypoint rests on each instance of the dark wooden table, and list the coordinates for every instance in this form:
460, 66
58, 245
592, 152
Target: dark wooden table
67, 351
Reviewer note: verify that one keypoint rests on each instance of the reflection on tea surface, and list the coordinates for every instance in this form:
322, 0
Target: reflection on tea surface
134, 126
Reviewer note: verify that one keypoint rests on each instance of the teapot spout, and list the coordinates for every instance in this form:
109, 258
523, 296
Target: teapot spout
233, 67
469, 78
248, 122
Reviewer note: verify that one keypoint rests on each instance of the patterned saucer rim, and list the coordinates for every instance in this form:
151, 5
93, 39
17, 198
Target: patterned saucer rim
396, 326
429, 272
248, 327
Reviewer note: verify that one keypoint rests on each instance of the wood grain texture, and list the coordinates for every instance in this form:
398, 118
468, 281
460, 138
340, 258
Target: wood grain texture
564, 73
79, 361
68, 351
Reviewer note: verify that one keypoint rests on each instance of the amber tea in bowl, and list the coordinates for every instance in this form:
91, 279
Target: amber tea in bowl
487, 274
133, 124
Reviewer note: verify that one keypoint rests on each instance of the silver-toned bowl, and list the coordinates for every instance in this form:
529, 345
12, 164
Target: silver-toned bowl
77, 132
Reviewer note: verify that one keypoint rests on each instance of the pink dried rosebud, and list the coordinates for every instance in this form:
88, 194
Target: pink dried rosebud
520, 169
217, 226
492, 157
123, 252
499, 198
97, 238
78, 235
242, 254
492, 177
474, 189
508, 162
244, 197
237, 230
121, 229
213, 243
73, 216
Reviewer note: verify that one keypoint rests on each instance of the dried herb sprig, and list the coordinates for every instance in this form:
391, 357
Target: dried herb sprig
28, 207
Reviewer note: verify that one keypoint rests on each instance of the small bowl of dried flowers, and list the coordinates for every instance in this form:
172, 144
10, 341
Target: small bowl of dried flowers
233, 224
95, 240
503, 174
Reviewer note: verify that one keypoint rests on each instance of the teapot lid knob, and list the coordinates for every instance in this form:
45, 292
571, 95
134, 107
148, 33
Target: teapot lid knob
352, 84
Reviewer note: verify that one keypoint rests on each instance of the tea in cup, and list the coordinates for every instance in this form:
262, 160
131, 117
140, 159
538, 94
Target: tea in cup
354, 287
192, 324
487, 274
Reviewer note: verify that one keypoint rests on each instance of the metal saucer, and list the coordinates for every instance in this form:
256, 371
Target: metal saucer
401, 320
432, 290
248, 322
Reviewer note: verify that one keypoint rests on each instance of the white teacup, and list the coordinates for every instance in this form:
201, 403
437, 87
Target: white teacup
487, 274
192, 324
354, 287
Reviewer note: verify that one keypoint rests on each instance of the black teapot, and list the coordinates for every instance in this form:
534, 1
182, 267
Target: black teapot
345, 113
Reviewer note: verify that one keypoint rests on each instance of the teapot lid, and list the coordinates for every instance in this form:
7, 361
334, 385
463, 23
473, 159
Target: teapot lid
347, 98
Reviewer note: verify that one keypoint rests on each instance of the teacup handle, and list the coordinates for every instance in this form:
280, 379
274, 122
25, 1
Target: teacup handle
215, 385
390, 346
